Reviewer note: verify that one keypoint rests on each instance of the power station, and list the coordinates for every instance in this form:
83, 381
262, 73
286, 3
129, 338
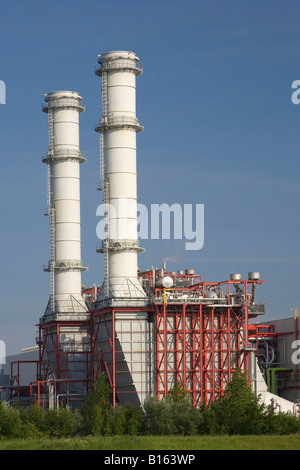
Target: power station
145, 330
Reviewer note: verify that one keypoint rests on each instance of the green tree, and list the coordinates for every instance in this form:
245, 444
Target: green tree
158, 416
10, 422
178, 394
116, 421
210, 423
36, 419
134, 419
174, 414
279, 423
96, 408
239, 410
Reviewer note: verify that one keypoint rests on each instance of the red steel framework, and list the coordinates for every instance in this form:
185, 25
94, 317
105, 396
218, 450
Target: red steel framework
199, 347
108, 358
198, 342
56, 371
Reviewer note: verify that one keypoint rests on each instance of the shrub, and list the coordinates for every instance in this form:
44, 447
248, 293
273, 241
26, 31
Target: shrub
173, 415
116, 421
238, 411
10, 422
187, 420
59, 423
158, 417
96, 408
134, 420
66, 423
178, 394
280, 423
35, 419
210, 425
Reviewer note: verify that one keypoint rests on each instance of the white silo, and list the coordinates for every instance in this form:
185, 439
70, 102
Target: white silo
64, 328
63, 159
124, 331
118, 127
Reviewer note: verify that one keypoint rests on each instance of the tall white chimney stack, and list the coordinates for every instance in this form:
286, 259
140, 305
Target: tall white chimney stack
118, 127
63, 159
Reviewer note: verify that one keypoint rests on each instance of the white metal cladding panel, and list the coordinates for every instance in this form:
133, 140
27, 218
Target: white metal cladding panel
117, 163
122, 219
133, 335
66, 127
67, 211
66, 188
75, 338
121, 93
64, 168
123, 265
68, 250
120, 139
67, 283
121, 101
134, 355
123, 185
123, 78
123, 207
129, 290
63, 232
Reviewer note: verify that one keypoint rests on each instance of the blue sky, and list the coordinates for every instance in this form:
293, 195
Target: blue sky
220, 130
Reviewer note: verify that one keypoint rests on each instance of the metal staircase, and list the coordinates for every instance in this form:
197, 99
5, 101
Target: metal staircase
105, 185
51, 211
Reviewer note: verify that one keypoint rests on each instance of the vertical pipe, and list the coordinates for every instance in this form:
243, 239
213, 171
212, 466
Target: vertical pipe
66, 355
40, 354
157, 324
177, 323
114, 357
39, 393
165, 350
201, 352
205, 363
92, 352
58, 372
296, 331
229, 343
246, 332
221, 352
184, 344
193, 369
213, 352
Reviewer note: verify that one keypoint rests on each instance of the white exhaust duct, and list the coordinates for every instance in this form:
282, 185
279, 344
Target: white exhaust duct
118, 127
63, 159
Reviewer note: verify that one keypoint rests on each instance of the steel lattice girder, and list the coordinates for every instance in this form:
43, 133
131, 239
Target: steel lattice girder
200, 347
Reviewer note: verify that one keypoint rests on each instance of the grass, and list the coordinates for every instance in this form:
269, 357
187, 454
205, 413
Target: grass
152, 443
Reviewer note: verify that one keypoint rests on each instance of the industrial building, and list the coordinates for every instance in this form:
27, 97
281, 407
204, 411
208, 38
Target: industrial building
145, 330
